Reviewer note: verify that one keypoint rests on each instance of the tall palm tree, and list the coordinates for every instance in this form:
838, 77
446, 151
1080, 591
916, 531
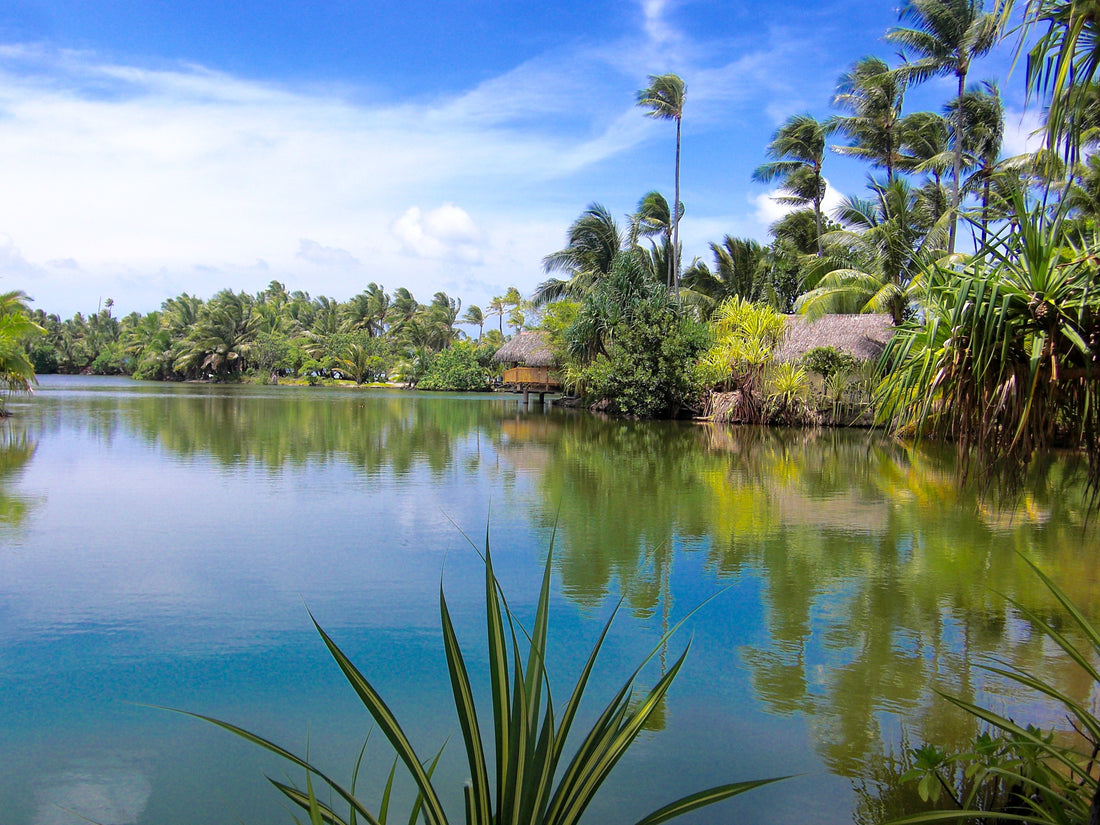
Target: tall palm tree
797, 150
593, 242
872, 94
496, 307
664, 99
946, 36
926, 149
402, 311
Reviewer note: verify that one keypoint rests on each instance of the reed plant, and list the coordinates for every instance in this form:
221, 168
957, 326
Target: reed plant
530, 767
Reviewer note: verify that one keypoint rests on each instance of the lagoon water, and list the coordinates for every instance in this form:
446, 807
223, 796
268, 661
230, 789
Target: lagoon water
160, 546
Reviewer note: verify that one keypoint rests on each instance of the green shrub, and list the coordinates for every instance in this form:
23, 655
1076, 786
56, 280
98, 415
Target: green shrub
456, 369
650, 367
829, 361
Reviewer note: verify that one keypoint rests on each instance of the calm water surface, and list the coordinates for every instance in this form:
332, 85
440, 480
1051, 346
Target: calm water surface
160, 545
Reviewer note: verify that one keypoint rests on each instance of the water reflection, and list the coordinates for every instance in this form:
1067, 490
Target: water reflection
16, 451
874, 580
112, 789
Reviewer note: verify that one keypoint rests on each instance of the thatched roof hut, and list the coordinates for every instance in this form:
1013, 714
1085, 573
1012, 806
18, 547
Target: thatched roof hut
863, 336
527, 349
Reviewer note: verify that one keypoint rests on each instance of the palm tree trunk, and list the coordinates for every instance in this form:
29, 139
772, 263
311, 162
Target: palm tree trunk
985, 209
817, 211
958, 162
675, 262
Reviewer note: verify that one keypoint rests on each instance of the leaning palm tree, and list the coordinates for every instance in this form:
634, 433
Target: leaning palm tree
946, 37
594, 241
797, 150
1062, 67
664, 99
872, 95
476, 317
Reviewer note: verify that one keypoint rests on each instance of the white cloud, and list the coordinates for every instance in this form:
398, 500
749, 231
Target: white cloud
325, 255
1023, 132
13, 266
445, 232
769, 210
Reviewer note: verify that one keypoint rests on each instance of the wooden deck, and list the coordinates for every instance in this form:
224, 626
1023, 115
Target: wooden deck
532, 379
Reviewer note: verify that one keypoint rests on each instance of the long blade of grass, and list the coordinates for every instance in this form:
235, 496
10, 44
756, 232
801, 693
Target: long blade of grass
536, 657
390, 727
355, 779
418, 805
467, 717
498, 674
318, 811
702, 799
384, 807
611, 749
519, 756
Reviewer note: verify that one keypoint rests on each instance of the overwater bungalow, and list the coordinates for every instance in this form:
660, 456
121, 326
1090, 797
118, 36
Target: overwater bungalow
531, 365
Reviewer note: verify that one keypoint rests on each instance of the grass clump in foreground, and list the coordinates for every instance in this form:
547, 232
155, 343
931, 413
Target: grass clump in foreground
537, 782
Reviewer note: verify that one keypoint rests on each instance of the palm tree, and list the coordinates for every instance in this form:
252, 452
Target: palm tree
514, 298
887, 243
367, 310
947, 35
222, 336
797, 150
925, 149
981, 116
16, 326
738, 273
593, 242
475, 316
441, 316
873, 95
496, 307
403, 309
664, 99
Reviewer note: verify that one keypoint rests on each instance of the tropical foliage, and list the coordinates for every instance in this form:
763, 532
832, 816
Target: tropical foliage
16, 332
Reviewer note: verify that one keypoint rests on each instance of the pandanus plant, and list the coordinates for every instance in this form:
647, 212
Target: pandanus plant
538, 779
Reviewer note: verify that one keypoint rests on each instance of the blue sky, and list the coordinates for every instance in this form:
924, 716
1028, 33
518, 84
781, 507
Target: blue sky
151, 147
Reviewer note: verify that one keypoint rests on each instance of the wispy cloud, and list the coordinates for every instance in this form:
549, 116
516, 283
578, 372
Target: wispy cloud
325, 255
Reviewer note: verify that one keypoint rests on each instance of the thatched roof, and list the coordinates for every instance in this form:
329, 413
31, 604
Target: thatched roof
527, 349
864, 336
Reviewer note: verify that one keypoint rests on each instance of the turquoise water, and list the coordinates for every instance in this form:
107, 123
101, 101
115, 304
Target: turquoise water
160, 546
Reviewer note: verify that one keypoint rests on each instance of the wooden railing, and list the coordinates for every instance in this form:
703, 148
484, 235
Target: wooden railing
535, 376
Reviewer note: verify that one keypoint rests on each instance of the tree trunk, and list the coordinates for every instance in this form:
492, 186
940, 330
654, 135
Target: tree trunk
817, 211
958, 162
675, 262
